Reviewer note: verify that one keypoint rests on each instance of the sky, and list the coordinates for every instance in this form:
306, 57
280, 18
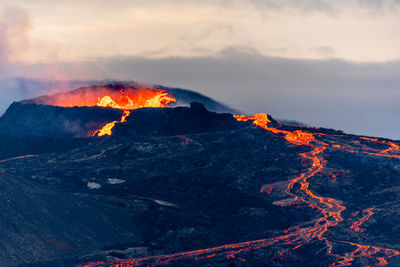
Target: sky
326, 63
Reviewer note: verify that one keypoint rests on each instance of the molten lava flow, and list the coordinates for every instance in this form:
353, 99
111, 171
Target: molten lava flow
295, 237
141, 99
330, 208
19, 157
126, 102
355, 227
107, 129
392, 151
262, 120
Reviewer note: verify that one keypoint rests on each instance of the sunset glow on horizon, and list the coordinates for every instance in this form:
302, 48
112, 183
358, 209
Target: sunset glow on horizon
360, 31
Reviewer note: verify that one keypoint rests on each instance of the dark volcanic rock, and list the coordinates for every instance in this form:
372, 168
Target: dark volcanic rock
36, 129
174, 121
32, 120
39, 224
185, 97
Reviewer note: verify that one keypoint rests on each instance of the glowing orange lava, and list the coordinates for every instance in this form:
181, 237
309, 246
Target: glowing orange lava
126, 102
355, 227
295, 237
19, 157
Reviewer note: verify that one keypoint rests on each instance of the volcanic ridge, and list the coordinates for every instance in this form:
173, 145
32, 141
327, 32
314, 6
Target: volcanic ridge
131, 175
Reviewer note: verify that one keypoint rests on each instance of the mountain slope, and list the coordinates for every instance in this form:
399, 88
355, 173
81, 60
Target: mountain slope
43, 225
237, 194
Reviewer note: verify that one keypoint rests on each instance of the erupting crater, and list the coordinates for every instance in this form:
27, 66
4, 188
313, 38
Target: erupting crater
127, 102
117, 97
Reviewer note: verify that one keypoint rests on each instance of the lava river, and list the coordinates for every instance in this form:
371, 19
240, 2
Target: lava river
330, 210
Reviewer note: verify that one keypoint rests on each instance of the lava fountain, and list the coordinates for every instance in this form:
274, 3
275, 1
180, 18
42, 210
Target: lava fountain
127, 102
117, 97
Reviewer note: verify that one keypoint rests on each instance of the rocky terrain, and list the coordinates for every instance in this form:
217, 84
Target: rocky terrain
187, 186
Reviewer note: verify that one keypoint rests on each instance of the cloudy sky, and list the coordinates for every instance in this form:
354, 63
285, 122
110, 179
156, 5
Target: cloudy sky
332, 63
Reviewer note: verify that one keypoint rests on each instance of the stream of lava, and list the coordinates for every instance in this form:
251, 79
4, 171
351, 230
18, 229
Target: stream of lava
19, 157
127, 102
293, 238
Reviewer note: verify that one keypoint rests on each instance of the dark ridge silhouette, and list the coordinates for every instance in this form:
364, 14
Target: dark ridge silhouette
32, 120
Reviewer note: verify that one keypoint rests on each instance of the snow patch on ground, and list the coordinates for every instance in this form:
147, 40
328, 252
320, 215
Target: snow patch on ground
115, 181
164, 203
99, 155
92, 185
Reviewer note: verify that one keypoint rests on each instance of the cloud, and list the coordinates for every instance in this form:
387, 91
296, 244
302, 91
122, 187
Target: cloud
78, 30
324, 51
327, 5
14, 29
300, 4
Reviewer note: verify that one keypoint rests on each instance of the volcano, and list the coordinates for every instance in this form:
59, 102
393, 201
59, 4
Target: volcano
178, 179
